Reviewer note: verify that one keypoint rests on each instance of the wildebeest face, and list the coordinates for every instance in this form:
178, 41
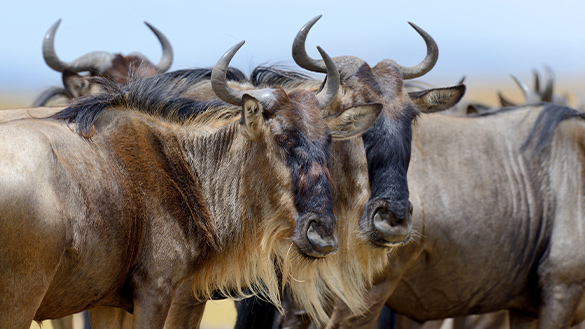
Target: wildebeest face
386, 216
115, 67
293, 126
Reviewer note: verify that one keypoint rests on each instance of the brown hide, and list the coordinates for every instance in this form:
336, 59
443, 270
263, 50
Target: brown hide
92, 220
501, 228
493, 234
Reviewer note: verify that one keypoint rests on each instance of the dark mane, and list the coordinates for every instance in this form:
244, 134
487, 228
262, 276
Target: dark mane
160, 95
499, 110
232, 74
270, 76
546, 123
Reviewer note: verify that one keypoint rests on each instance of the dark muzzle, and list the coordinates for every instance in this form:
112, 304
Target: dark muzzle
386, 227
316, 235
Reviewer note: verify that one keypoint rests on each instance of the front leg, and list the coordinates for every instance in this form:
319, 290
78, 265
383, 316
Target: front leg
185, 311
152, 302
521, 321
104, 317
559, 303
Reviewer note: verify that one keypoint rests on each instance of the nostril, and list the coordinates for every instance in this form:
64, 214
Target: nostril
322, 242
388, 228
384, 218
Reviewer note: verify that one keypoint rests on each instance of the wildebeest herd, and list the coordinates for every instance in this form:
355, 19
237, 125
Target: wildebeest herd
315, 203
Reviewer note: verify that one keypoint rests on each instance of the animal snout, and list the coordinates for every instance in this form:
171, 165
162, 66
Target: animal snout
315, 234
323, 241
391, 227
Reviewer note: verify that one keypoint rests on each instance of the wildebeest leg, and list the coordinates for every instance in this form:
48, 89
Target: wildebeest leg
495, 320
152, 302
521, 321
103, 317
63, 323
185, 311
404, 322
343, 318
29, 258
559, 302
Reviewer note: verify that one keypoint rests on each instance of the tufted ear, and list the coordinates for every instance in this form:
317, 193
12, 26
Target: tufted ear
437, 99
353, 121
252, 121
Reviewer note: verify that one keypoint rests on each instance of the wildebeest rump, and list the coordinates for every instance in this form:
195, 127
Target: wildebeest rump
120, 215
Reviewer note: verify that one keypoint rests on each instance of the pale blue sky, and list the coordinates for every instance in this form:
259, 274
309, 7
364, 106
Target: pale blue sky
479, 39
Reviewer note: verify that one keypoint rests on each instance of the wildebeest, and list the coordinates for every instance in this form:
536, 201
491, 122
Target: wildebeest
145, 195
387, 144
394, 131
500, 218
98, 63
536, 94
388, 139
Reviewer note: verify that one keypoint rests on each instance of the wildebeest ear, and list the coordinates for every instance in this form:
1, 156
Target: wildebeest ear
437, 99
354, 121
252, 121
75, 84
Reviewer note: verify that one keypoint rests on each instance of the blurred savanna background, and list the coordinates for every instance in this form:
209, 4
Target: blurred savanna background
485, 41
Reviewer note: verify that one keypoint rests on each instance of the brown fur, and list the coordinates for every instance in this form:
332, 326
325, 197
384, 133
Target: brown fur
134, 181
536, 270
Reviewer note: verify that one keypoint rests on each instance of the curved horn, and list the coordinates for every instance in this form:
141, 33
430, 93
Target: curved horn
427, 63
331, 87
97, 60
529, 96
580, 101
547, 93
301, 57
299, 52
536, 81
167, 55
49, 53
503, 101
218, 78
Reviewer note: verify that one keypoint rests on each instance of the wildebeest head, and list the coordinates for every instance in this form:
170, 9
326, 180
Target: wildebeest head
292, 124
537, 94
386, 218
100, 63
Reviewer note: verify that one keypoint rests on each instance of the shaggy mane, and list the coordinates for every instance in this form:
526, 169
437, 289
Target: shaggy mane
160, 96
546, 123
275, 75
500, 110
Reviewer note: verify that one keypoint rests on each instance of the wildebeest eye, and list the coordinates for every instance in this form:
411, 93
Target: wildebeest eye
280, 139
284, 140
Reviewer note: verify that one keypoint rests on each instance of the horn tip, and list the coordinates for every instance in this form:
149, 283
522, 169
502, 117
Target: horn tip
55, 25
322, 52
151, 27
